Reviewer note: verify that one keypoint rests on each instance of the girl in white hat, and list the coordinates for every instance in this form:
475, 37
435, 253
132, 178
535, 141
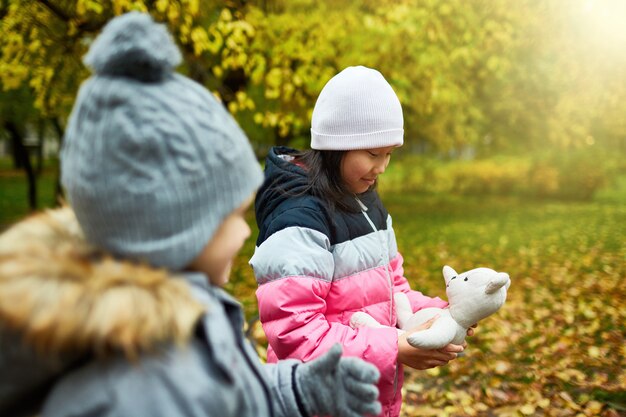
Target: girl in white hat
326, 247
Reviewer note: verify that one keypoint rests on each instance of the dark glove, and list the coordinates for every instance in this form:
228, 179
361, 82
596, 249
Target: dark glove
341, 387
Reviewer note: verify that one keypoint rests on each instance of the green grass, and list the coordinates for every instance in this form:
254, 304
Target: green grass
558, 342
561, 334
14, 191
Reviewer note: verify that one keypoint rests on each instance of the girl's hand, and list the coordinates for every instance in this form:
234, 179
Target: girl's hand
422, 358
470, 331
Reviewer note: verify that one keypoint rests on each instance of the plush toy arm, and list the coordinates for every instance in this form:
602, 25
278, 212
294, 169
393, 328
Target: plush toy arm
439, 335
403, 308
361, 319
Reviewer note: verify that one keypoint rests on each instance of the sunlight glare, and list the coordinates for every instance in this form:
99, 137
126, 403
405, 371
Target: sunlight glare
604, 23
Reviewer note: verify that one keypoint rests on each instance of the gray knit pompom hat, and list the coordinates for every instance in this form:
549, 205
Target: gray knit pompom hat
152, 163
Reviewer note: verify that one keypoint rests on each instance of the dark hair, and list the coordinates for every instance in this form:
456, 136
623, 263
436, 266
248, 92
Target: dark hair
325, 180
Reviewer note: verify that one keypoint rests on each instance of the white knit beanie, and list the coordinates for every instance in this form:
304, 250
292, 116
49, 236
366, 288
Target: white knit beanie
357, 109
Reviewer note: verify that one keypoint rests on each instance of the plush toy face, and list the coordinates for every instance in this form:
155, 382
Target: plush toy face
477, 293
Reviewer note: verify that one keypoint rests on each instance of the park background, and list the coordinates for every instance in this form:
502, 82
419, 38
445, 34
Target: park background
514, 158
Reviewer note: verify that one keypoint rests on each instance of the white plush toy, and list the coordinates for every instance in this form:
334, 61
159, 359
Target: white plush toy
472, 296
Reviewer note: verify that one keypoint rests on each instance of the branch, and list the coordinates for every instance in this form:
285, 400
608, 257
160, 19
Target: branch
91, 25
56, 10
4, 9
82, 26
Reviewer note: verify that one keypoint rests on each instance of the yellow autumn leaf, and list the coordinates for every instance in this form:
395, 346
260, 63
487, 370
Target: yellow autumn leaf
502, 367
528, 409
544, 403
162, 5
194, 7
594, 351
593, 408
450, 395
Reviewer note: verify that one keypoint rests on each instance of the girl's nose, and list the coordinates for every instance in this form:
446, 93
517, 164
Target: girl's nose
380, 168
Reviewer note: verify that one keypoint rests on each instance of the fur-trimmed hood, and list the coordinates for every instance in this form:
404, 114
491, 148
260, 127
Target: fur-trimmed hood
64, 296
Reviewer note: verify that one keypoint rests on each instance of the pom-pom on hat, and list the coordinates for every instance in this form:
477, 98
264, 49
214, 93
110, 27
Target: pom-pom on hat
136, 47
152, 163
357, 109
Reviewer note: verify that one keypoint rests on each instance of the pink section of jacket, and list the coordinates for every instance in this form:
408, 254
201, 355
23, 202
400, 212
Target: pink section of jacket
304, 316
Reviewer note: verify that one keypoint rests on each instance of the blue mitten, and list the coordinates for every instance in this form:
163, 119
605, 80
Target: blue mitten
335, 386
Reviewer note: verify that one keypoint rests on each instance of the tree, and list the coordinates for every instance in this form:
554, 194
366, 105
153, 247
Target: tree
16, 111
490, 76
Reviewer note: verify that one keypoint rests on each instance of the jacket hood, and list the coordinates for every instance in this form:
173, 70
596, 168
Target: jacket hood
63, 296
283, 180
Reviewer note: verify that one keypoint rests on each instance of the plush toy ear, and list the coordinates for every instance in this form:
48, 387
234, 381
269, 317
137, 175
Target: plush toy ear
498, 282
448, 273
508, 280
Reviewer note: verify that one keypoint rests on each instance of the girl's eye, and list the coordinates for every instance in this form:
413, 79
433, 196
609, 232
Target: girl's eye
372, 154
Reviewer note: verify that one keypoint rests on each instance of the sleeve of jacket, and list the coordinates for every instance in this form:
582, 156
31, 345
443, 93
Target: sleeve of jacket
282, 384
26, 375
401, 284
294, 268
179, 382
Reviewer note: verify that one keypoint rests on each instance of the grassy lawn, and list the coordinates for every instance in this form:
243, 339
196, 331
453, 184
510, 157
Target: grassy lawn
14, 191
557, 346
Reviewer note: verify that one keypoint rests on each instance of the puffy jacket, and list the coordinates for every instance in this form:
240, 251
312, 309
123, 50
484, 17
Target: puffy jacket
316, 267
82, 334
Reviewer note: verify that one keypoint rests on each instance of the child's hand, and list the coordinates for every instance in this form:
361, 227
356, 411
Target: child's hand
470, 331
338, 386
421, 358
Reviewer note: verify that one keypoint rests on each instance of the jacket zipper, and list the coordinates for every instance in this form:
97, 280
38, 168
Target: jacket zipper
386, 261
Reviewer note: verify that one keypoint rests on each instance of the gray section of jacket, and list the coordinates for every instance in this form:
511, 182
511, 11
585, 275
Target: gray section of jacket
217, 374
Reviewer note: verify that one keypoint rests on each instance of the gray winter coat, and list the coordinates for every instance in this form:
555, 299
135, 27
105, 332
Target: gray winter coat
107, 338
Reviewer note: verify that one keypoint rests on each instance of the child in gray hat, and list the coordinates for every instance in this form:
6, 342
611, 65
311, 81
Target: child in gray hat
113, 307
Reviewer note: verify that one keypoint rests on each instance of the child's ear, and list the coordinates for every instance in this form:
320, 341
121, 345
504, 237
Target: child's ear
448, 274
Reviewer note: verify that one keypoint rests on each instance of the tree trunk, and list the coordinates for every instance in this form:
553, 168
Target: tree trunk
41, 133
58, 190
24, 159
15, 156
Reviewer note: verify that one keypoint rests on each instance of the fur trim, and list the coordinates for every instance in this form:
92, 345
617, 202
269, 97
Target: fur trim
65, 296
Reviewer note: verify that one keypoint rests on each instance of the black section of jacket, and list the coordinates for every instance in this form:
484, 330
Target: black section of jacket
283, 201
